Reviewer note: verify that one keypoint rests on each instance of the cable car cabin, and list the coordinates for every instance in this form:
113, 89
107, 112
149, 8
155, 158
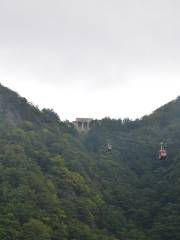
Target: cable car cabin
109, 147
162, 154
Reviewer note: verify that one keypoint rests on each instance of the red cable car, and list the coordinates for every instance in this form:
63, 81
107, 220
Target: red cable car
162, 153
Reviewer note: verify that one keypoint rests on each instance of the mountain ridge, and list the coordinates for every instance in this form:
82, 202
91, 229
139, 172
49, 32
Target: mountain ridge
13, 98
58, 184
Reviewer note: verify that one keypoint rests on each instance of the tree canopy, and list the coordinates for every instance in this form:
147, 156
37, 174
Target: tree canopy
58, 184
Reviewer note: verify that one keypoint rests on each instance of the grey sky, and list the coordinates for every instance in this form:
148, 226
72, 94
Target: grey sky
122, 56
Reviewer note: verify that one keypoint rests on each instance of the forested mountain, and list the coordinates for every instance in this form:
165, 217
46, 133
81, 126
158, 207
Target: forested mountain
57, 184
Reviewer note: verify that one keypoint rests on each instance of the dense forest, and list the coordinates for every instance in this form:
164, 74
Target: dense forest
57, 184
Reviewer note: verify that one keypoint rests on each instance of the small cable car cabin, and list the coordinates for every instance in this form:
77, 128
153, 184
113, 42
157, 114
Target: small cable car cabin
109, 147
162, 153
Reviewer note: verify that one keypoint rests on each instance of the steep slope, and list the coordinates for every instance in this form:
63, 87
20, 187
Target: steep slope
15, 109
43, 194
56, 184
149, 198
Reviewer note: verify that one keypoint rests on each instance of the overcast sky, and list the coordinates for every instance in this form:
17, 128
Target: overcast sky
92, 58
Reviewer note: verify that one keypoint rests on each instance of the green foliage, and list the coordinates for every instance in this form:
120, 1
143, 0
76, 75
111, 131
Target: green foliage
36, 230
56, 184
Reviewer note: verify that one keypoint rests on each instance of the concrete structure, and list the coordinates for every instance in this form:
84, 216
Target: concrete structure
82, 124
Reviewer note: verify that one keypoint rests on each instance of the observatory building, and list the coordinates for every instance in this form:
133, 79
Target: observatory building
82, 124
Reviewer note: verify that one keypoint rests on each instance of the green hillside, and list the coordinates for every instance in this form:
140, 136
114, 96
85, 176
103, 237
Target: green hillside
56, 184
